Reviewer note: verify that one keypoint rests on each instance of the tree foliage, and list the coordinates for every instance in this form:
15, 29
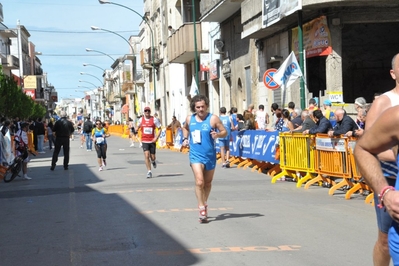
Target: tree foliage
14, 102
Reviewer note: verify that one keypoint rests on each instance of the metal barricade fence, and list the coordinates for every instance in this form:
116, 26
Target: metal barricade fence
332, 160
297, 155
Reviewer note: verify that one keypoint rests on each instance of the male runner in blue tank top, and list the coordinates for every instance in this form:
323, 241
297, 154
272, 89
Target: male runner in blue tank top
202, 128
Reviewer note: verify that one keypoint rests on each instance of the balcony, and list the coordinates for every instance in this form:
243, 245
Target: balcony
180, 44
139, 77
11, 62
127, 85
146, 58
218, 10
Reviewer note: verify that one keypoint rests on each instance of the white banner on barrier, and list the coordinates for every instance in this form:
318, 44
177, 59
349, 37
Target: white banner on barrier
326, 144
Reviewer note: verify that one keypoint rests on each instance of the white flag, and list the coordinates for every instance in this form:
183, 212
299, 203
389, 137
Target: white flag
288, 72
194, 89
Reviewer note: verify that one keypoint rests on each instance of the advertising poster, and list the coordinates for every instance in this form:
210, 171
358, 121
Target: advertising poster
214, 70
316, 38
204, 62
274, 10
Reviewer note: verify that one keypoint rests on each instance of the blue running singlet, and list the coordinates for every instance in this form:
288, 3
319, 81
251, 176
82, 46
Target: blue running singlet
202, 145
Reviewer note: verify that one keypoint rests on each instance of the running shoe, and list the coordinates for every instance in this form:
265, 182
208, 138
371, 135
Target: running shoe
100, 169
154, 164
203, 216
132, 145
104, 163
26, 177
149, 175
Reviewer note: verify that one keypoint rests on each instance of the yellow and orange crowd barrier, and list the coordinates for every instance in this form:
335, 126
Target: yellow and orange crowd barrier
307, 159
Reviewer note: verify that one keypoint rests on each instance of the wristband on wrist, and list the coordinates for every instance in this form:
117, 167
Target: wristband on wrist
184, 139
384, 191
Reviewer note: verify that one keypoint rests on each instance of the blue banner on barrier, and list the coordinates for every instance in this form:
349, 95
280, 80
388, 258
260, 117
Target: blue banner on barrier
254, 144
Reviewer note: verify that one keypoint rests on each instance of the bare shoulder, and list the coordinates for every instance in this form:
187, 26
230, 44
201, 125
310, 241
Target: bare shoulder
379, 105
187, 122
215, 119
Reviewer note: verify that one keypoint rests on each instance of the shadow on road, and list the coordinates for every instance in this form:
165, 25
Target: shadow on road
57, 218
225, 216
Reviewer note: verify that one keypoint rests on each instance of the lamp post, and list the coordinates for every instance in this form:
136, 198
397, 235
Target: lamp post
83, 87
85, 64
92, 50
84, 73
145, 19
105, 72
132, 53
95, 86
110, 31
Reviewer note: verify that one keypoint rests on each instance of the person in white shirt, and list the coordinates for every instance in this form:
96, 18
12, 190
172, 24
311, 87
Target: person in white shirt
261, 117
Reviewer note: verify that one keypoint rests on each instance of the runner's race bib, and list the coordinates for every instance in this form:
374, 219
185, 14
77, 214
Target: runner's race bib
148, 130
100, 140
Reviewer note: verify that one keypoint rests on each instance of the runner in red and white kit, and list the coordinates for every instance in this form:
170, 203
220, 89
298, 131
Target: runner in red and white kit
147, 125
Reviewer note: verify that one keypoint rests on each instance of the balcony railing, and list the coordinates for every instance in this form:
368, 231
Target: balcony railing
180, 44
146, 58
11, 62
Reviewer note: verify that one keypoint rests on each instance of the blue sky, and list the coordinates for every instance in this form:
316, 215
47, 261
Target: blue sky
61, 31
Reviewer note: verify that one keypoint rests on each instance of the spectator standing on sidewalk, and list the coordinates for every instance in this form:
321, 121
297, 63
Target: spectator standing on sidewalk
147, 125
40, 135
344, 124
87, 129
233, 115
261, 117
7, 154
174, 126
224, 143
203, 128
50, 135
63, 129
322, 124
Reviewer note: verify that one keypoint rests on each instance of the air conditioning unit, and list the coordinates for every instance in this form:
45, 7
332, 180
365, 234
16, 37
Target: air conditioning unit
218, 44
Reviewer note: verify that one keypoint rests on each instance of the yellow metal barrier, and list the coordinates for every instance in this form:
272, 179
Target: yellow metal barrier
31, 145
116, 129
296, 155
332, 160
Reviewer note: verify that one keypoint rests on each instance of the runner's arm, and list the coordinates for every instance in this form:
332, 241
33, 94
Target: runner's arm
216, 123
382, 136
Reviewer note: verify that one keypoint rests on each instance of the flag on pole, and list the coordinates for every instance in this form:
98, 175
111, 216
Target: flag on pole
288, 72
194, 89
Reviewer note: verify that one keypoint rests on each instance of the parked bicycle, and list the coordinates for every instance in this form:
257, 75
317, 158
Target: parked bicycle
15, 167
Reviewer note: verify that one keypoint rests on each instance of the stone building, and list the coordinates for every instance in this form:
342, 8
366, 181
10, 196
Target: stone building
348, 46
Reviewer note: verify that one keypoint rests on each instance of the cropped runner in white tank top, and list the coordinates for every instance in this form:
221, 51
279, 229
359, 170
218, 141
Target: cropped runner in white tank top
394, 97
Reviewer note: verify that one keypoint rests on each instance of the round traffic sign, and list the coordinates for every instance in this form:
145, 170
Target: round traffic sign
268, 79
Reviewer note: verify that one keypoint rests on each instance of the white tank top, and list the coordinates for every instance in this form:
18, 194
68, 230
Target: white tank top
394, 97
261, 119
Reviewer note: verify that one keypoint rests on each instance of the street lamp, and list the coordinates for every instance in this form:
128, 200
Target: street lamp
85, 64
95, 86
145, 19
110, 31
84, 87
92, 50
84, 73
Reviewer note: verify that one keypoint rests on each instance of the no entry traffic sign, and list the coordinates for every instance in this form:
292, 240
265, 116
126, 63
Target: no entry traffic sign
268, 79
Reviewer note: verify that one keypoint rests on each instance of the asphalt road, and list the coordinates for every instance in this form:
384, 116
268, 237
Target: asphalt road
118, 217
